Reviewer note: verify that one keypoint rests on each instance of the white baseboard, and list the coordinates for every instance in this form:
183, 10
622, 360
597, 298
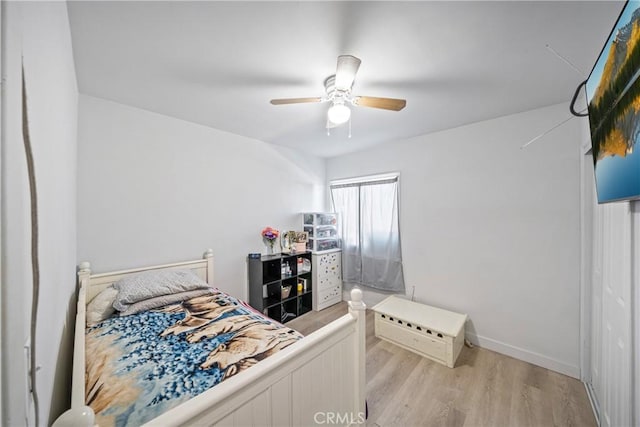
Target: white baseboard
593, 400
525, 355
371, 298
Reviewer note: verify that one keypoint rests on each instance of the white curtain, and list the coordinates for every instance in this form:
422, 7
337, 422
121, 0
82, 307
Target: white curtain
371, 253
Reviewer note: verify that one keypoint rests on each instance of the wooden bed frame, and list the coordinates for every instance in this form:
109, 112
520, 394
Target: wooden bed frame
317, 380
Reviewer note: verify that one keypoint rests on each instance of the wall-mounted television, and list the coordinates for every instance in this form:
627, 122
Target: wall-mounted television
613, 98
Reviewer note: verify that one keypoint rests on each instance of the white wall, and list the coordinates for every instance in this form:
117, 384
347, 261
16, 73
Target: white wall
155, 189
492, 230
39, 32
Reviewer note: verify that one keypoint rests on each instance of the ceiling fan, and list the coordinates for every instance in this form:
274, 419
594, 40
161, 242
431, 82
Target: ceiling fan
338, 93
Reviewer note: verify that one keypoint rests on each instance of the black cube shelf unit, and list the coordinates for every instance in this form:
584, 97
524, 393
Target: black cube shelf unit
274, 290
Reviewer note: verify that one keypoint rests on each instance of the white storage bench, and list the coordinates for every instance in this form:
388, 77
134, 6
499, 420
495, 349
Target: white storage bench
431, 332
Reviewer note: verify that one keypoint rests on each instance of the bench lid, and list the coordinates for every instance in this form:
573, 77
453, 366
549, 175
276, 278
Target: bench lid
445, 321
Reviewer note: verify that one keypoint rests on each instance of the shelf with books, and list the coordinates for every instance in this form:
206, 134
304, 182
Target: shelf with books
280, 285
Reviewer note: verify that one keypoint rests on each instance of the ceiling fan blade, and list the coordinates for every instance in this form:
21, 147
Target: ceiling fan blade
294, 100
346, 71
384, 103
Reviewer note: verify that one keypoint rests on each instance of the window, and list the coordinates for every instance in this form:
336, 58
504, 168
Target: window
368, 208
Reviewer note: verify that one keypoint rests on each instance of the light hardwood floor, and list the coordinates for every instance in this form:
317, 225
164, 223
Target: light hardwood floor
484, 389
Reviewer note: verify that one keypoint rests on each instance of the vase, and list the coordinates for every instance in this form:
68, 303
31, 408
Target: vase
269, 244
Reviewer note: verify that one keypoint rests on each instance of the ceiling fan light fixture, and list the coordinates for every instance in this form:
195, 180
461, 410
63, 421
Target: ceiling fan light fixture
338, 114
338, 93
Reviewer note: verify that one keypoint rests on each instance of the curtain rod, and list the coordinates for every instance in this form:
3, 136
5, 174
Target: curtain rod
364, 179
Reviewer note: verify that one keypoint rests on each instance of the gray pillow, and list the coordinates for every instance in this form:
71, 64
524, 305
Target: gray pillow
161, 301
150, 284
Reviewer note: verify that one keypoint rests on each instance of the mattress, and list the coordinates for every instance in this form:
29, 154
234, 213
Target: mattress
141, 365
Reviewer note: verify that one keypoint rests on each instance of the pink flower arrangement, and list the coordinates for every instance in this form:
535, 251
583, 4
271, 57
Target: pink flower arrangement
269, 235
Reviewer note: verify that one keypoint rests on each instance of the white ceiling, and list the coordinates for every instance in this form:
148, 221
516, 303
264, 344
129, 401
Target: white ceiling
219, 63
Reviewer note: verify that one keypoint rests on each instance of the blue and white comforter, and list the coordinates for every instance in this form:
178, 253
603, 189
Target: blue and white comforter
139, 366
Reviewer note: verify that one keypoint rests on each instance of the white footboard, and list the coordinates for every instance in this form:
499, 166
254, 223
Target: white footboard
317, 380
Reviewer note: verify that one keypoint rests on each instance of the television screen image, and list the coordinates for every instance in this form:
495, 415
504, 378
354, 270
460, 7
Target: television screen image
613, 97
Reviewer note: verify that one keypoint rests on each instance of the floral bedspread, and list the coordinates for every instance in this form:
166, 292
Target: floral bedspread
139, 366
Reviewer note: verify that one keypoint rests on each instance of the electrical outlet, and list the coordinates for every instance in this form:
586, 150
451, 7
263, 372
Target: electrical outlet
27, 365
28, 397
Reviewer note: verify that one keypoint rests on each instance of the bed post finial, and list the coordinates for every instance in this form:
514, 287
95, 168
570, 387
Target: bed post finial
75, 417
356, 302
84, 272
208, 253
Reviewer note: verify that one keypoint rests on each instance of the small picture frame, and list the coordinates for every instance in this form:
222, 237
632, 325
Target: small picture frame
288, 241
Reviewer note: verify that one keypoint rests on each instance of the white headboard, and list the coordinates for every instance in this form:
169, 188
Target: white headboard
93, 284
90, 285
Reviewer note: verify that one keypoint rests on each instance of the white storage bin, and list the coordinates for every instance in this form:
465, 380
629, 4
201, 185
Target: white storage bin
323, 229
428, 331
